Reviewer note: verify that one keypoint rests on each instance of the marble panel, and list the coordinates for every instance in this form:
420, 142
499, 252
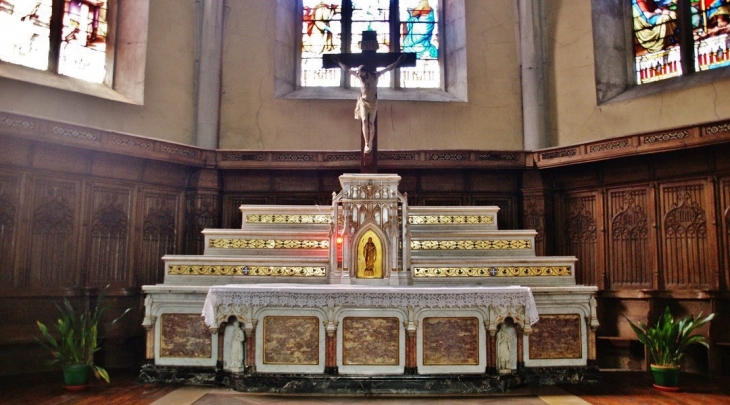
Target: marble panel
291, 340
556, 336
450, 341
184, 335
370, 341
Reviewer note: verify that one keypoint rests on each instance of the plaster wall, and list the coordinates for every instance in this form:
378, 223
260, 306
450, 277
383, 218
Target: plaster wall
252, 118
574, 115
168, 111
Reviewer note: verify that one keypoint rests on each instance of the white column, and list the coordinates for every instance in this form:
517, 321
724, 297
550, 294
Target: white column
208, 83
531, 23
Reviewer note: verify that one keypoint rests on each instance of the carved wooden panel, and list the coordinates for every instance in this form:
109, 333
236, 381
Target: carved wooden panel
631, 253
533, 217
725, 227
440, 200
9, 216
160, 221
232, 218
303, 199
507, 215
581, 223
54, 234
291, 340
108, 251
203, 210
689, 259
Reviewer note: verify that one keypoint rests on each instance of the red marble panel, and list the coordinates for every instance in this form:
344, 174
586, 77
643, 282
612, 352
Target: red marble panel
291, 340
370, 341
184, 335
556, 337
450, 341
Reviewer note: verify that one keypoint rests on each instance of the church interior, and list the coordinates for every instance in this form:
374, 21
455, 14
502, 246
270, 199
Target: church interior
610, 139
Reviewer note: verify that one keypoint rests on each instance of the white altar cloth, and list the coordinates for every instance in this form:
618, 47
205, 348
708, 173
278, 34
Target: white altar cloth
304, 295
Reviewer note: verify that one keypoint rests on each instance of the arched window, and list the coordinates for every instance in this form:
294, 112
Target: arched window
336, 26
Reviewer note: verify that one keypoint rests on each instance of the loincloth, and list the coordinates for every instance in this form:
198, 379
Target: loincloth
363, 108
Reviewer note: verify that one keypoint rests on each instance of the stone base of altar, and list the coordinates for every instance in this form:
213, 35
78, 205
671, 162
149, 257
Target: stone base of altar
427, 385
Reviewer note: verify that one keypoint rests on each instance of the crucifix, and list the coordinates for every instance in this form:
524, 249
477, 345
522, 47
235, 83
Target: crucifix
364, 66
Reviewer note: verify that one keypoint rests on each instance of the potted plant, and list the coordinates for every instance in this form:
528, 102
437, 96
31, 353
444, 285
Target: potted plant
667, 342
77, 342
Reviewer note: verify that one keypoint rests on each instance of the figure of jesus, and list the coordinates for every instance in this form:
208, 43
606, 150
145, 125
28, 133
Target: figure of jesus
367, 104
370, 253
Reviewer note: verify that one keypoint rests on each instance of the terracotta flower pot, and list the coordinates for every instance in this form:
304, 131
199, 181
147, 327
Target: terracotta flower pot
666, 378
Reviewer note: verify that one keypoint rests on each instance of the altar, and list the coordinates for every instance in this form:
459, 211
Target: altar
369, 288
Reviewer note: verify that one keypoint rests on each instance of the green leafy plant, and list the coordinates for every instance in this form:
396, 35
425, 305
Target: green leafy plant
668, 339
78, 335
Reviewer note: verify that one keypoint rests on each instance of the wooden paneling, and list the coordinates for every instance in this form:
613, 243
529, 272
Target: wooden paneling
507, 215
581, 235
630, 254
9, 212
687, 240
203, 211
108, 251
161, 231
725, 229
55, 233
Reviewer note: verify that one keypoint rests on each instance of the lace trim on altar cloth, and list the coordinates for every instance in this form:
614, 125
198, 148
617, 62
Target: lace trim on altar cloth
403, 297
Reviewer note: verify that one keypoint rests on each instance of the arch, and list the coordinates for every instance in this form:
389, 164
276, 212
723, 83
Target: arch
380, 268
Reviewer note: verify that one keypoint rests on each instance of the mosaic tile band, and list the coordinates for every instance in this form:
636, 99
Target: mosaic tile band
471, 244
450, 219
491, 271
287, 219
247, 271
268, 244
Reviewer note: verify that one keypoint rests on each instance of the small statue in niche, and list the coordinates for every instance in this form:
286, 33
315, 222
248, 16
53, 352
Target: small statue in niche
237, 338
370, 253
504, 351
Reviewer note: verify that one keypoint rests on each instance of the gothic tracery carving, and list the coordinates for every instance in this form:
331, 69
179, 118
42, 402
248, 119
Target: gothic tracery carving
55, 215
686, 218
631, 221
581, 224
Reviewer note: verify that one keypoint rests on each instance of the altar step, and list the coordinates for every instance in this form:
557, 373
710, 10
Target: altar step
349, 385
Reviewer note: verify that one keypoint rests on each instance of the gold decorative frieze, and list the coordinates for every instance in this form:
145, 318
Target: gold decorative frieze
287, 219
268, 244
491, 271
279, 271
517, 244
450, 219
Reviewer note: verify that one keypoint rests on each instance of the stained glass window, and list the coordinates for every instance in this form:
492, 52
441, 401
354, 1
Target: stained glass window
419, 33
321, 33
63, 36
336, 26
663, 50
711, 25
656, 40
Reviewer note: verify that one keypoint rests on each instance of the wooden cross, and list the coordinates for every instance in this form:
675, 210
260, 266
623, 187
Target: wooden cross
371, 60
